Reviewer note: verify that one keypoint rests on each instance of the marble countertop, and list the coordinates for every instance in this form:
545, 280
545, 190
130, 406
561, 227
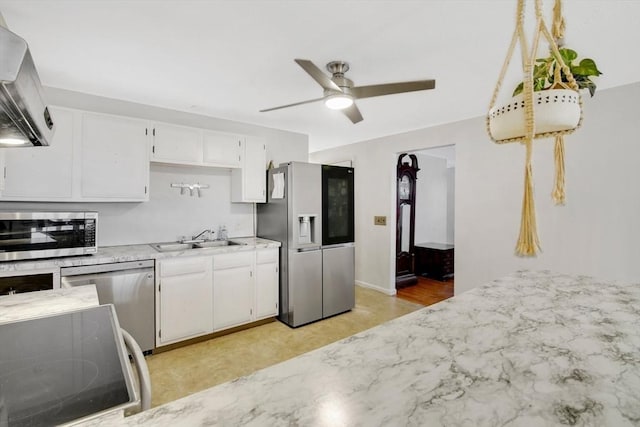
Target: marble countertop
109, 254
42, 303
532, 349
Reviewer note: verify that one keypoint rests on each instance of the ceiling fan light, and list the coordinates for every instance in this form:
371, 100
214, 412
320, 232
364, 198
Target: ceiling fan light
338, 102
13, 142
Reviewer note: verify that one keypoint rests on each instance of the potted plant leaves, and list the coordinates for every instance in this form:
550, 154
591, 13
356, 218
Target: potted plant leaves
556, 103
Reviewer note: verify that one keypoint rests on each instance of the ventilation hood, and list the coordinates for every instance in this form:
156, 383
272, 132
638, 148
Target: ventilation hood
24, 117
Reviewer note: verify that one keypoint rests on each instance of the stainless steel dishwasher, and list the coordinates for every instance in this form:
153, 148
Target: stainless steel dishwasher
129, 286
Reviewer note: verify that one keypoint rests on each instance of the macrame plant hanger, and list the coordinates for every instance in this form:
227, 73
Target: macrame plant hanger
528, 243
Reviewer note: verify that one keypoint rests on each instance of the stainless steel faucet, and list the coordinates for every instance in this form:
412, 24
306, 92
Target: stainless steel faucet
203, 232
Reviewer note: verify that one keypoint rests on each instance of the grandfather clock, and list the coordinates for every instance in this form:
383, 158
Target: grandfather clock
407, 174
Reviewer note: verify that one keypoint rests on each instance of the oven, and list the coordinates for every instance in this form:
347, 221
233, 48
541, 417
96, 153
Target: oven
29, 235
17, 282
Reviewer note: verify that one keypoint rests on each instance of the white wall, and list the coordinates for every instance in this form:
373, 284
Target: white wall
596, 233
431, 200
168, 215
451, 205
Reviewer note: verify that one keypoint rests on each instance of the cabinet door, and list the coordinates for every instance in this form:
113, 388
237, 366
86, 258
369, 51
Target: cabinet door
222, 149
249, 183
115, 158
266, 283
185, 295
232, 289
176, 144
42, 173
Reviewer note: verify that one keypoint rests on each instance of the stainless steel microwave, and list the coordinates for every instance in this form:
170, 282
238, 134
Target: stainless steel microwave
29, 235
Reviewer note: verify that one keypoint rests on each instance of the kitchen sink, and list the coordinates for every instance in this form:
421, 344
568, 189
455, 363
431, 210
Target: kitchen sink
170, 247
177, 246
215, 243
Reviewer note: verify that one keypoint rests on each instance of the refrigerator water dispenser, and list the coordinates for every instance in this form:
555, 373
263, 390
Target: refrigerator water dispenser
306, 229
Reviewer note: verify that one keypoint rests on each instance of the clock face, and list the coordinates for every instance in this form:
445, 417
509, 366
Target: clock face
404, 188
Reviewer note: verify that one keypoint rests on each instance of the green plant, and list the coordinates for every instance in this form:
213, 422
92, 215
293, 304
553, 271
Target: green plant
544, 69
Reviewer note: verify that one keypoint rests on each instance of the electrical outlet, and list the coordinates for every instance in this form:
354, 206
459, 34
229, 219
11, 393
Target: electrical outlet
379, 220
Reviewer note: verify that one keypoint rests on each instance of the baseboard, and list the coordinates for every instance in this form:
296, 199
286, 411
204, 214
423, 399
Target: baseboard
385, 291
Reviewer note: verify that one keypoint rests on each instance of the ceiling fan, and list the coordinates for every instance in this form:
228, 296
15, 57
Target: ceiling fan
340, 93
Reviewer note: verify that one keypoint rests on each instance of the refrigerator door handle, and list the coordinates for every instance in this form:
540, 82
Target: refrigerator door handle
314, 248
339, 245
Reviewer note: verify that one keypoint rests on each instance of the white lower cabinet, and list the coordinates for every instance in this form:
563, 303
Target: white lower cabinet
184, 299
199, 295
232, 289
266, 283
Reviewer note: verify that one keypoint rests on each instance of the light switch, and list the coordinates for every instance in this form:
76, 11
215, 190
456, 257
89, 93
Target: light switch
379, 220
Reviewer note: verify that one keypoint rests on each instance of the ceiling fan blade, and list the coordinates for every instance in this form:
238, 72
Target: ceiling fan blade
353, 113
360, 92
292, 105
317, 75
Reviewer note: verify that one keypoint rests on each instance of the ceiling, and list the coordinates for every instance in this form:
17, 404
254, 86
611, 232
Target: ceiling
229, 59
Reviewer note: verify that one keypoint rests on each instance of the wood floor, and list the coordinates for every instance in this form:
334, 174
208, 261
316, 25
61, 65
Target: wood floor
427, 291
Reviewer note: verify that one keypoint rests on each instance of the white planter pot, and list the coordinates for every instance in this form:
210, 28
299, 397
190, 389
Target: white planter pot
554, 110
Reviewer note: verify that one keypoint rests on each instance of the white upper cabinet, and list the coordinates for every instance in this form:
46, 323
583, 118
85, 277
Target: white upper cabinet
183, 145
42, 173
248, 184
115, 158
96, 157
176, 144
222, 149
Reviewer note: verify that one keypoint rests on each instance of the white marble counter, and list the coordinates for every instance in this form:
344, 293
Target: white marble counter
109, 254
532, 349
35, 304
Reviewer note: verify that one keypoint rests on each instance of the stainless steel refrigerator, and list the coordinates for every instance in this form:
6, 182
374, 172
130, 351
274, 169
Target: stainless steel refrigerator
309, 209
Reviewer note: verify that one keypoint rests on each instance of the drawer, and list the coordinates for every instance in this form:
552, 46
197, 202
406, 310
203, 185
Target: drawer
266, 256
233, 260
180, 266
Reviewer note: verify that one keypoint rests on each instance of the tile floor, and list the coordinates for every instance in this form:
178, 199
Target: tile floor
186, 370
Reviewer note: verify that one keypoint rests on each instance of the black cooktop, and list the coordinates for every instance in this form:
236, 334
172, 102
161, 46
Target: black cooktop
60, 368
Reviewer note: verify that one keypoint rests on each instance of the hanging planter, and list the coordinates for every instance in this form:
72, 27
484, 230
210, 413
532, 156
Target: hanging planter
555, 110
556, 104
546, 103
